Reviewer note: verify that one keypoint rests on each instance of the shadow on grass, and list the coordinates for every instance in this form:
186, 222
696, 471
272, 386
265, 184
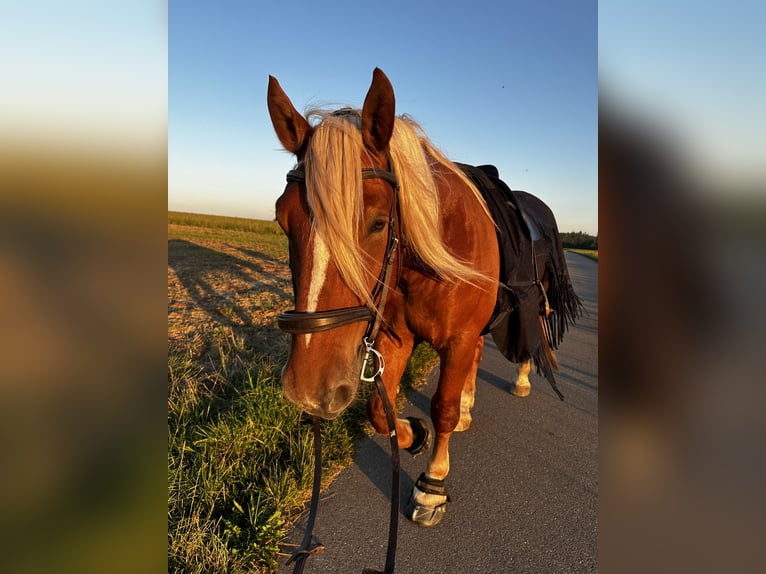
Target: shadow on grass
193, 265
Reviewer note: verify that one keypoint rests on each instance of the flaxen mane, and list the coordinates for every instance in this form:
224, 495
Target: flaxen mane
334, 188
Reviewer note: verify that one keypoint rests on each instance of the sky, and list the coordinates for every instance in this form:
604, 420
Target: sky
85, 74
693, 71
510, 83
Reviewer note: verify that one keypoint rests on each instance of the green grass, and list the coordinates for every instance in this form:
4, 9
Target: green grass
222, 222
240, 459
232, 230
589, 253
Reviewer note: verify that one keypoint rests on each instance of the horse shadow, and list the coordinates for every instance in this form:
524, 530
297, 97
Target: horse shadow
501, 383
194, 264
260, 256
372, 454
374, 461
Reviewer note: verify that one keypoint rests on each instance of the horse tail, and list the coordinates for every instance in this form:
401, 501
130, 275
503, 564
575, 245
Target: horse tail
547, 345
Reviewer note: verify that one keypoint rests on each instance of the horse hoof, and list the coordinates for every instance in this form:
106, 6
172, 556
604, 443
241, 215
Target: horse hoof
428, 501
421, 436
521, 390
425, 516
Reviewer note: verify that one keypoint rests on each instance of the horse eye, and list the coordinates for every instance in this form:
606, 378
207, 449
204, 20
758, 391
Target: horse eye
378, 226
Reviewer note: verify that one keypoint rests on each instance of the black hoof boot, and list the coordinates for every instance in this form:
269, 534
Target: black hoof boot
428, 502
421, 436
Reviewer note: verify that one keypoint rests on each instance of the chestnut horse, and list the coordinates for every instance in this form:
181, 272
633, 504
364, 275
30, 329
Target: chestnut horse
370, 189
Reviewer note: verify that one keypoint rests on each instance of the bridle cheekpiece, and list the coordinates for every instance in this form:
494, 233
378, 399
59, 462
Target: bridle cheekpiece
304, 322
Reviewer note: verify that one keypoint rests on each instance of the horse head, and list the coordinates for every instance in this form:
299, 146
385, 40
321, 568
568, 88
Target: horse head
338, 212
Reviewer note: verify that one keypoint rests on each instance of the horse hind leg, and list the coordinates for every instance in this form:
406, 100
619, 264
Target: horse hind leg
521, 386
467, 396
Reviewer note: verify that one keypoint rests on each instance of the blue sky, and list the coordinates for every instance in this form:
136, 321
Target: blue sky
694, 72
85, 74
510, 83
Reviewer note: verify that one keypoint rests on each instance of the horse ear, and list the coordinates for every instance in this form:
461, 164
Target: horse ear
378, 113
291, 127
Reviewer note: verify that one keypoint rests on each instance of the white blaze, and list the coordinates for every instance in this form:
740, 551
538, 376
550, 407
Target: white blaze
318, 274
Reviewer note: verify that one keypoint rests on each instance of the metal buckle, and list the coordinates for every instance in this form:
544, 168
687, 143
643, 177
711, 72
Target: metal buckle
370, 356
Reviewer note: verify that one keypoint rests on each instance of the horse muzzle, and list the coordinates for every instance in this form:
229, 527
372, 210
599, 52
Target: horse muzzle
326, 398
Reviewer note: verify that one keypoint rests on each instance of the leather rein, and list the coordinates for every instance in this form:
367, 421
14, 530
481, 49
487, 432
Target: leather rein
301, 322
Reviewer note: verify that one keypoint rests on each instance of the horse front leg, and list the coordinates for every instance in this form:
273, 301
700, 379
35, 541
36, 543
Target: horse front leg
428, 501
411, 434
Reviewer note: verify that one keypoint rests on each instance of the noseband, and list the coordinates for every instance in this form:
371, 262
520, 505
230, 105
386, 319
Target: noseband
302, 322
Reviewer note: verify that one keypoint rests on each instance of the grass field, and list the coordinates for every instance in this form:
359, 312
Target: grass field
239, 458
589, 253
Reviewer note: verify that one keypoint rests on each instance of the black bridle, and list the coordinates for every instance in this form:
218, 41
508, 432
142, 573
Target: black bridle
304, 322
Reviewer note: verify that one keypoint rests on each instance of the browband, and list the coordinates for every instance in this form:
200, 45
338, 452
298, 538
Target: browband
299, 175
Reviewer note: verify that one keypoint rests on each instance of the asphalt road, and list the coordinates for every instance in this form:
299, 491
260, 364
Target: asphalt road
523, 479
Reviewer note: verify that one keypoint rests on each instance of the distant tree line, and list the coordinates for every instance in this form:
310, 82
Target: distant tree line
579, 240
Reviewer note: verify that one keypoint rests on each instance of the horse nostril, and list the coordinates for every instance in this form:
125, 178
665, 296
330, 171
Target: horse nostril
342, 396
